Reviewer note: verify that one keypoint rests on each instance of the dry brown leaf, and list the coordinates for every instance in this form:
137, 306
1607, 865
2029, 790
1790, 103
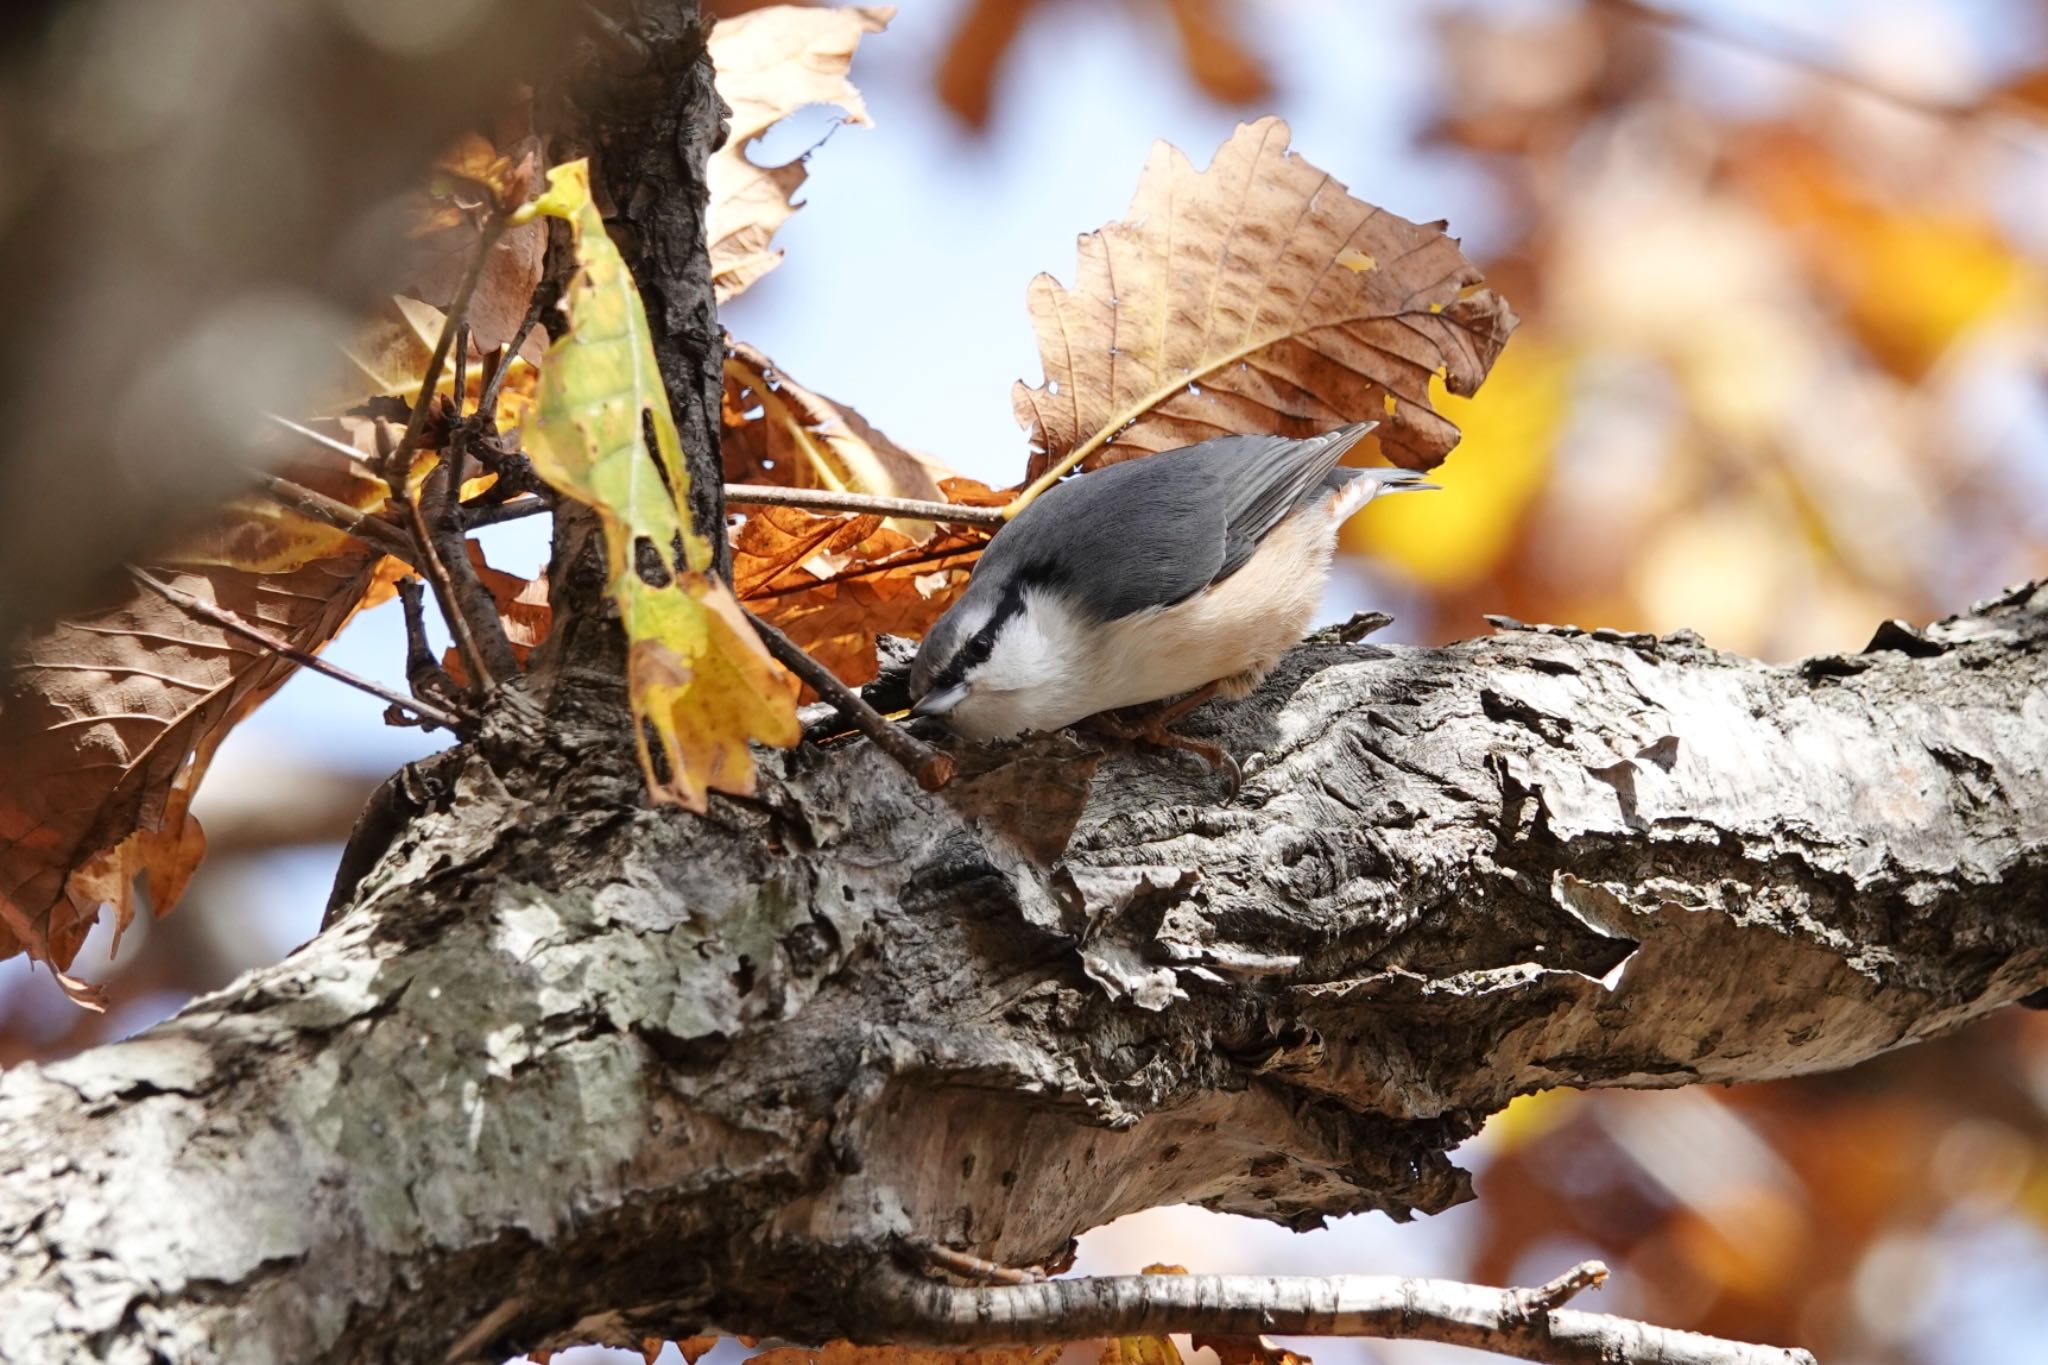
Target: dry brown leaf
771, 63
447, 228
522, 603
1261, 1350
109, 721
523, 610
833, 582
846, 1353
1257, 295
1217, 60
1215, 51
966, 76
777, 431
695, 1349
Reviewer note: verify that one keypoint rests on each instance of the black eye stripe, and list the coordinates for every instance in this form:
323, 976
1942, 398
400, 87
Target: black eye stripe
975, 652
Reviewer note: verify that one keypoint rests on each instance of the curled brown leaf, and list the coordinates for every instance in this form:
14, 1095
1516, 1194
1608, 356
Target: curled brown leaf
771, 63
1256, 295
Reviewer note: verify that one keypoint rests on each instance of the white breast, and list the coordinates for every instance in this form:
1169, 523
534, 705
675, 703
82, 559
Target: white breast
1050, 668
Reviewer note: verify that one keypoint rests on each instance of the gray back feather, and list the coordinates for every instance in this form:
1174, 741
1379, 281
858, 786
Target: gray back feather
1155, 531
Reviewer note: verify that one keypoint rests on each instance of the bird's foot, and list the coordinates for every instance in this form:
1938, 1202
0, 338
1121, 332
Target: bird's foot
1152, 728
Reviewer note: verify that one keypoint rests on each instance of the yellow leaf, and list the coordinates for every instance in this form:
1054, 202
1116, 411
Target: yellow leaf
700, 683
1454, 538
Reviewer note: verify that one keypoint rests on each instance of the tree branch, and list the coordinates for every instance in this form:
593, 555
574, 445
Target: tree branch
1522, 1323
931, 768
770, 495
641, 1073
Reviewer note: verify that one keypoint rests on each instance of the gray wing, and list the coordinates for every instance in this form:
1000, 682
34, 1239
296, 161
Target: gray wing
1155, 531
1273, 478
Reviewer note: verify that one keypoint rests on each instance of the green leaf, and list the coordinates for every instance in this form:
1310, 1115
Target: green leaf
700, 682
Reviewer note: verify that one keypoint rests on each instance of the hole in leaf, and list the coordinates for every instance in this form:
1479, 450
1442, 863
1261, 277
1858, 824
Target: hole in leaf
648, 564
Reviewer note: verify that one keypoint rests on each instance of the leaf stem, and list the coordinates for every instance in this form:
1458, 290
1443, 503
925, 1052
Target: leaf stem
227, 620
828, 500
367, 527
931, 768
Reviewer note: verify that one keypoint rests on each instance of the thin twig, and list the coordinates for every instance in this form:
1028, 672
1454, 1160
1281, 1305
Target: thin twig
423, 672
931, 768
482, 680
367, 527
473, 601
458, 311
227, 620
1786, 54
971, 1267
917, 1312
770, 495
498, 513
356, 461
459, 355
488, 403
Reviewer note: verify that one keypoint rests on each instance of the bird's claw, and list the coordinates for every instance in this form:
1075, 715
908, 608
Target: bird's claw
1152, 730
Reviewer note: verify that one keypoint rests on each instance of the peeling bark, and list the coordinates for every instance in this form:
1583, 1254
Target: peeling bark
571, 1069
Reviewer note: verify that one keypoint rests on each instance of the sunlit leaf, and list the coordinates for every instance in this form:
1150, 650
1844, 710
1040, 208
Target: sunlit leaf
1456, 537
770, 64
700, 683
1220, 305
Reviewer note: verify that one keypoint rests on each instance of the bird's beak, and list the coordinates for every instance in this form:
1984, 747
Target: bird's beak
938, 703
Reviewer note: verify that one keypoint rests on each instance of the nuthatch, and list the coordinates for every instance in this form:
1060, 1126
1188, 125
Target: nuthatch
1186, 572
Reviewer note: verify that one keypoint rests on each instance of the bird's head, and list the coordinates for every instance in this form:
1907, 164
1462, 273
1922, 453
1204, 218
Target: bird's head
991, 665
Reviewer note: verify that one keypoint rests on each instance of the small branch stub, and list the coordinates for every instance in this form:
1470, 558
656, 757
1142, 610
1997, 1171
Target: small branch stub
929, 766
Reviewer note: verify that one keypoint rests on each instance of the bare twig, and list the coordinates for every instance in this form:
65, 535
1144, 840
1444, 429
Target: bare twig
920, 1312
473, 601
770, 495
395, 461
367, 527
931, 768
498, 513
1532, 1303
969, 1267
488, 403
227, 620
483, 679
423, 672
342, 448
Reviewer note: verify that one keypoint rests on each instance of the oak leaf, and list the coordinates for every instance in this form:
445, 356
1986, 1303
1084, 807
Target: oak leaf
771, 63
699, 681
109, 722
833, 582
1257, 295
777, 431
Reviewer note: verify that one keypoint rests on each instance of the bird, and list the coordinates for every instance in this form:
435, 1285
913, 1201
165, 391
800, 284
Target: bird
1186, 574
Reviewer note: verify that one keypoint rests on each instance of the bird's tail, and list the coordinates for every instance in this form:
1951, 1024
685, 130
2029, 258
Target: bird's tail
1354, 488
